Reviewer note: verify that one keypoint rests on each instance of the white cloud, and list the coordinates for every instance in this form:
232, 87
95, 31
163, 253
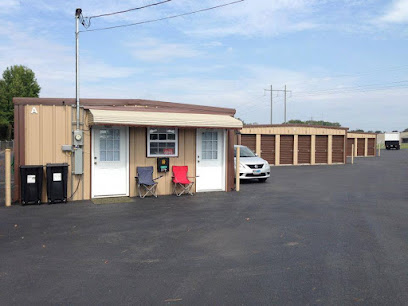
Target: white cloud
397, 13
53, 63
354, 109
150, 49
7, 5
207, 82
258, 18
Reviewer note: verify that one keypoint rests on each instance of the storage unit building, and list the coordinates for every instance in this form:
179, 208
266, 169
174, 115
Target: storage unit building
296, 144
119, 135
364, 144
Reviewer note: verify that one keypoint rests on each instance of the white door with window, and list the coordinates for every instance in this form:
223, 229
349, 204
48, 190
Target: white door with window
210, 161
110, 166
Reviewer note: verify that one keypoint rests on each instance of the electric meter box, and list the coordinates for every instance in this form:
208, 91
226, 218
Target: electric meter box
78, 138
31, 178
57, 177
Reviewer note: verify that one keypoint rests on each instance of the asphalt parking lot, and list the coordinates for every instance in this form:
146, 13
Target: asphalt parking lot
309, 235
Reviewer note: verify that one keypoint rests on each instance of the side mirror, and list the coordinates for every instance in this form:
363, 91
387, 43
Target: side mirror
256, 154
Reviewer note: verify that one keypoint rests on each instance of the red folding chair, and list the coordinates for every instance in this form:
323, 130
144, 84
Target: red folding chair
181, 181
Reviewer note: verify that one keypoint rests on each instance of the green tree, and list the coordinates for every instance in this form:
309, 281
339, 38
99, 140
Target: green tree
295, 121
378, 132
315, 122
358, 131
18, 81
406, 130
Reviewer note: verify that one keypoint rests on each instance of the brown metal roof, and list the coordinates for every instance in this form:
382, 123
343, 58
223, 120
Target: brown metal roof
294, 125
128, 104
354, 132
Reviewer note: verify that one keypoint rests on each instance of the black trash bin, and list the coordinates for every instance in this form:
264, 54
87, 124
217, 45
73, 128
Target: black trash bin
31, 178
57, 177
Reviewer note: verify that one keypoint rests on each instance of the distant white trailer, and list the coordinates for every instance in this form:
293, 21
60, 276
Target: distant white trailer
392, 141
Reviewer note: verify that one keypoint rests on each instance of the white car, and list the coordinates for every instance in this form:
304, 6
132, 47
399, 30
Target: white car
251, 166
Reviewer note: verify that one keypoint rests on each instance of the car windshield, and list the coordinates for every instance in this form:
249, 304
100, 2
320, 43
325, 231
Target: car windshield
244, 152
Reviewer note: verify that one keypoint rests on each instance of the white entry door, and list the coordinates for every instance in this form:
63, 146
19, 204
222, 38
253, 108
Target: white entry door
110, 161
210, 160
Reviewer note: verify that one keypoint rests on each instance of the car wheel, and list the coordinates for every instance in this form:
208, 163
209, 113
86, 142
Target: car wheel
262, 180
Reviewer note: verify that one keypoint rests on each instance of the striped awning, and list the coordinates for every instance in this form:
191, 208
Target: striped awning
163, 119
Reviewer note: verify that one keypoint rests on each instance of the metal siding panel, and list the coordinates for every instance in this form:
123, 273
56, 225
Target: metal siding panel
32, 137
132, 162
46, 132
87, 159
138, 150
230, 160
350, 142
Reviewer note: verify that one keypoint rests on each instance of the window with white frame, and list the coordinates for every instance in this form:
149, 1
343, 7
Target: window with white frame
162, 142
209, 142
109, 144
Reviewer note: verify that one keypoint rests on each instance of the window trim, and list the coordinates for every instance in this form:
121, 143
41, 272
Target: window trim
211, 151
148, 141
113, 148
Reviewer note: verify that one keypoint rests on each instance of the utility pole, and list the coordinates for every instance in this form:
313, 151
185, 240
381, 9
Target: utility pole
78, 13
278, 90
285, 103
78, 133
271, 105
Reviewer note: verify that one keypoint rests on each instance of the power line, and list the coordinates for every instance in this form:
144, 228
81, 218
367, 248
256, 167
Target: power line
129, 10
357, 74
255, 106
285, 91
164, 18
389, 68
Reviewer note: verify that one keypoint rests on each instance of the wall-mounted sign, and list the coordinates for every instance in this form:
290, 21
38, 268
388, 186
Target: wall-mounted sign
31, 179
163, 164
168, 151
34, 110
57, 177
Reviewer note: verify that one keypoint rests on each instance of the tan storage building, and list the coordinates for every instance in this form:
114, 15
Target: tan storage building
120, 135
364, 144
296, 144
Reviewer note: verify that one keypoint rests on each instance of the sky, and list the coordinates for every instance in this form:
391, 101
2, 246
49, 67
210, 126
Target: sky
342, 60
